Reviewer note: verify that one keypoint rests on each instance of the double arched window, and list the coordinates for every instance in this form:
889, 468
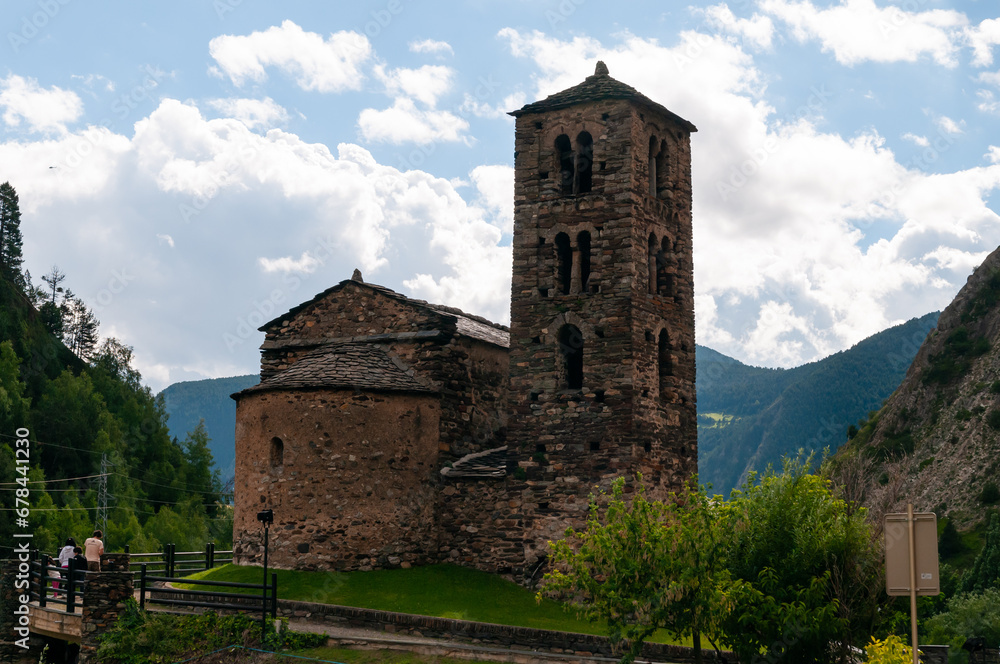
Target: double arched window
661, 274
575, 163
573, 263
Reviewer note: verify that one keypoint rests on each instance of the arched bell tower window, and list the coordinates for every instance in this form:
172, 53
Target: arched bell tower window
564, 153
583, 247
584, 162
277, 452
564, 259
654, 153
665, 363
652, 259
571, 349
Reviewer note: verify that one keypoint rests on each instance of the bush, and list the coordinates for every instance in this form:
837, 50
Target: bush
990, 495
890, 650
993, 419
967, 614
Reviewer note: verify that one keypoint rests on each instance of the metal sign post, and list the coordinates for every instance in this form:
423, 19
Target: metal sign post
911, 560
267, 518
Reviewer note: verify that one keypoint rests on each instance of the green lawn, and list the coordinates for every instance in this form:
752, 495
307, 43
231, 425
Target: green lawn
444, 591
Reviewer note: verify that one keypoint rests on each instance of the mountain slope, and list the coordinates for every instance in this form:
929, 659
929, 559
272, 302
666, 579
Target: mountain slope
778, 411
187, 403
937, 440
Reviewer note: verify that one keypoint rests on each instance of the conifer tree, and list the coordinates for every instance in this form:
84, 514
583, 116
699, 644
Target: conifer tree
10, 236
51, 311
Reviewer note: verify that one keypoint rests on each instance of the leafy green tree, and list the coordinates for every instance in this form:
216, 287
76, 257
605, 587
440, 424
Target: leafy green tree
985, 572
201, 476
799, 553
10, 236
13, 404
642, 565
967, 614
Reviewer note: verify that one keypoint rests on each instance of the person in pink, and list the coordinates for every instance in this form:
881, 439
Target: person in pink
94, 547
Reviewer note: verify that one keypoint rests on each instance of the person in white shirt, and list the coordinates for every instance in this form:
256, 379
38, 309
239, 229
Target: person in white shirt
94, 547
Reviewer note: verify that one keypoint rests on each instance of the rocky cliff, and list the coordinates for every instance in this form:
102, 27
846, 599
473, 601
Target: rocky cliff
936, 442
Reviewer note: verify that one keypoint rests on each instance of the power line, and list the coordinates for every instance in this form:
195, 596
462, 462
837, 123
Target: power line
63, 479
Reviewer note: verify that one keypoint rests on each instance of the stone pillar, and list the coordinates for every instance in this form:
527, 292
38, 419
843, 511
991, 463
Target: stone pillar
103, 599
115, 562
576, 273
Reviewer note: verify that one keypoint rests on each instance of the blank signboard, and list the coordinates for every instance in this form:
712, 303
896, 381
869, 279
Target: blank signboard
897, 554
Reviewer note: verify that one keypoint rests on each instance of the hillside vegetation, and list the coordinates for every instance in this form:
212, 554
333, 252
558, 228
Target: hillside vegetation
749, 417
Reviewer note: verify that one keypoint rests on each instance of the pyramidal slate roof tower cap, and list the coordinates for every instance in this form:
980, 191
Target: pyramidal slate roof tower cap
594, 88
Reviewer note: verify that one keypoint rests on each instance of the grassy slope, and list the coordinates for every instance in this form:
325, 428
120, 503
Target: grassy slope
442, 591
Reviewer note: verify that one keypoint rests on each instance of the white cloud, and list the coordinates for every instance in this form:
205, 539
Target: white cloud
430, 46
482, 109
305, 264
330, 65
987, 102
922, 141
165, 239
495, 185
252, 112
993, 155
949, 126
755, 31
405, 123
425, 84
983, 38
857, 31
44, 111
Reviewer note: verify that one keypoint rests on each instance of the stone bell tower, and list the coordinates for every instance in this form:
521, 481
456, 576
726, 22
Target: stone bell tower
602, 350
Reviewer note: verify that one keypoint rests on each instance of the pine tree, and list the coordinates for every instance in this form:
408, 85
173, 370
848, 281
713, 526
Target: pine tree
51, 311
985, 571
10, 236
79, 327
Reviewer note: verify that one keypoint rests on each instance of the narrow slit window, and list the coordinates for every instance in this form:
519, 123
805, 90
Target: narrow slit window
665, 364
277, 452
564, 259
662, 172
571, 349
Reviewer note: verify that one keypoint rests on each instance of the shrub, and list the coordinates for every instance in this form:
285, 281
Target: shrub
993, 419
990, 495
890, 650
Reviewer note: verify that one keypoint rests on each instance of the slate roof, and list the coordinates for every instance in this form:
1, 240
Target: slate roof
598, 86
468, 325
360, 366
489, 463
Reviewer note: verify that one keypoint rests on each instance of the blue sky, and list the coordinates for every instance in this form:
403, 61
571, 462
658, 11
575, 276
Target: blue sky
197, 168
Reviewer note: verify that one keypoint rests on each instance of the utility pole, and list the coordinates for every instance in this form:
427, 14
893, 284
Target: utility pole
102, 499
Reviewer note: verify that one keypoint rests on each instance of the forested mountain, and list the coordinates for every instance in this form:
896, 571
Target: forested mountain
190, 402
749, 417
936, 443
80, 413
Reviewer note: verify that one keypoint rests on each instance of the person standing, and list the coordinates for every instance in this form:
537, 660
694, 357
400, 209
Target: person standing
64, 555
94, 548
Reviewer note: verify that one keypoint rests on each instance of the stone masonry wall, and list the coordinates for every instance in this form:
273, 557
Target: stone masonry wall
355, 488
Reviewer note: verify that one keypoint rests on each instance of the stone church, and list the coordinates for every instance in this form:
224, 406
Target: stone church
390, 432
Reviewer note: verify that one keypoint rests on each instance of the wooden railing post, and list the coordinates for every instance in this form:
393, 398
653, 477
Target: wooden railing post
71, 587
142, 588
